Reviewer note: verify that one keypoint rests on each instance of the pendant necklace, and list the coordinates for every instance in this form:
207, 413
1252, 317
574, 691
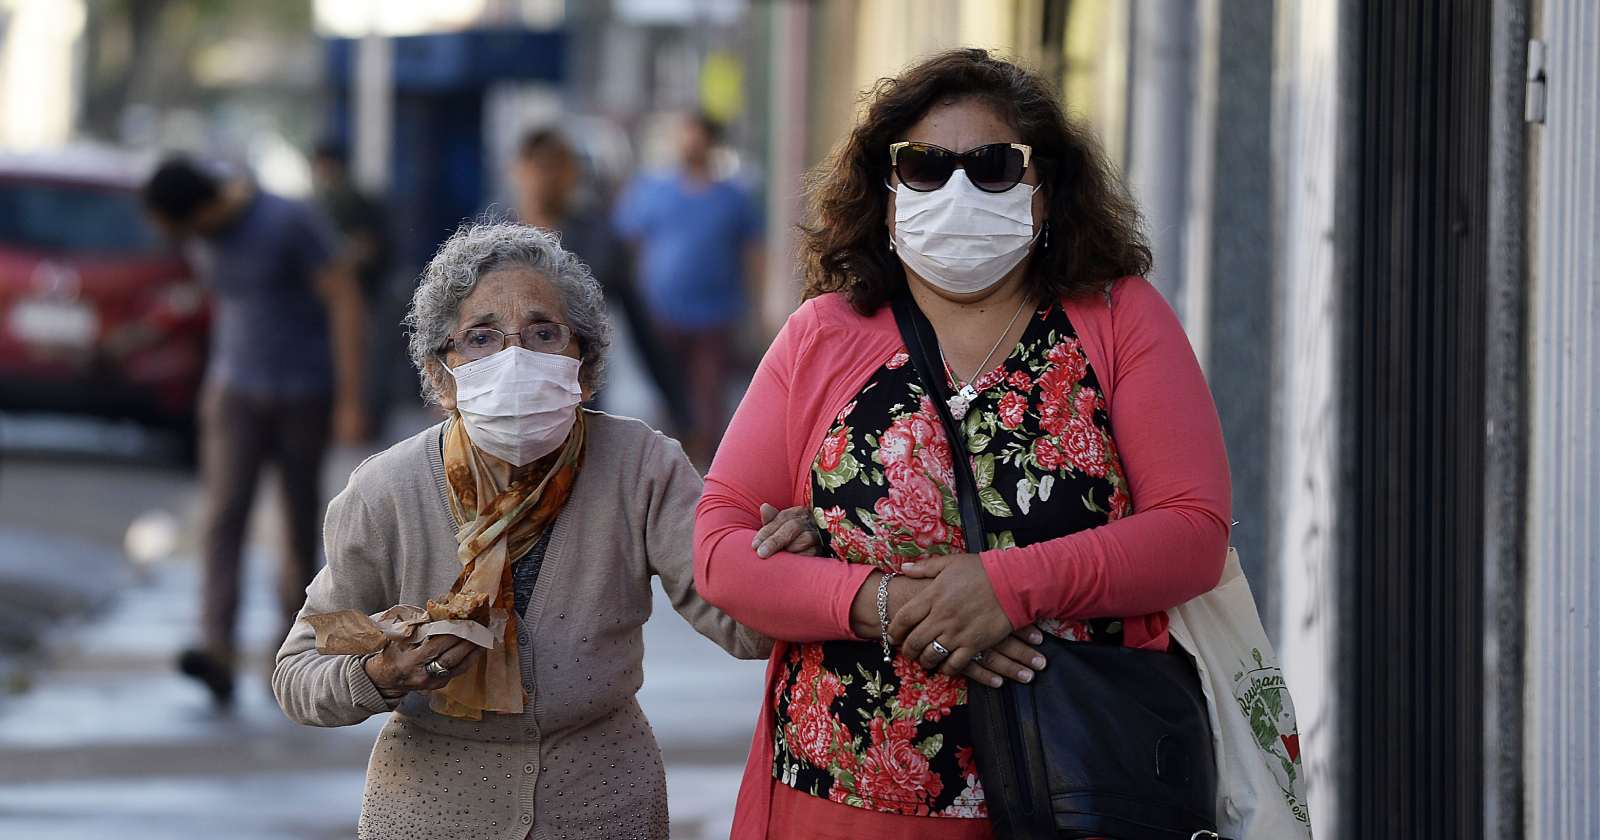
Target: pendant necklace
966, 394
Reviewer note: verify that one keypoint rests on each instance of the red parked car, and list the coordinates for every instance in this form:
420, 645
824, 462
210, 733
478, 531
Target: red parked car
98, 315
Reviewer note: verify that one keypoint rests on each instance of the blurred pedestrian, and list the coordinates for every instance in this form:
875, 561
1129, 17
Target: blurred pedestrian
699, 244
285, 363
359, 218
547, 175
562, 515
966, 199
362, 225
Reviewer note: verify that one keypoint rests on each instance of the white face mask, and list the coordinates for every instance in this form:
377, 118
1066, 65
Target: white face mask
518, 405
959, 238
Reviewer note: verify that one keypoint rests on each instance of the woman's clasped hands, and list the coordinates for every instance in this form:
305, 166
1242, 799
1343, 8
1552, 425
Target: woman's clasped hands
954, 623
944, 613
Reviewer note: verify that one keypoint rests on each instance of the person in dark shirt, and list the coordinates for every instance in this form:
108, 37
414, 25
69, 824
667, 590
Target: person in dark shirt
358, 217
547, 174
285, 366
362, 224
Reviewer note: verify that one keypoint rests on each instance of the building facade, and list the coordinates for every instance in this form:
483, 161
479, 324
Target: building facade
1380, 224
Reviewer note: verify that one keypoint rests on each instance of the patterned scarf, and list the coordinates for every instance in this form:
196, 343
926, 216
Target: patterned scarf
500, 519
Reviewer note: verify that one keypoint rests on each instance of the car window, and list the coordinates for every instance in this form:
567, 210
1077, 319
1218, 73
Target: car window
74, 219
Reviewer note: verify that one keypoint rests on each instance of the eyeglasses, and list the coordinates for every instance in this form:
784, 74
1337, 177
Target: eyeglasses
476, 343
994, 168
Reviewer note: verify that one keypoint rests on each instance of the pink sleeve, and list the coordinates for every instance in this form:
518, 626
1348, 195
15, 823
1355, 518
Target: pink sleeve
1172, 547
796, 598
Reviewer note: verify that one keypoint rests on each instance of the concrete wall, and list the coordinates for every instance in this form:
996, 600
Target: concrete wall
1228, 268
1505, 443
1161, 89
1305, 441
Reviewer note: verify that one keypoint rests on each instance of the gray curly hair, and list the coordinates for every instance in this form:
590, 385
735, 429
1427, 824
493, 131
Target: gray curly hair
478, 248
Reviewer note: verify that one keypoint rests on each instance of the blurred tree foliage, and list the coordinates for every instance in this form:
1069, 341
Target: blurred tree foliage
145, 51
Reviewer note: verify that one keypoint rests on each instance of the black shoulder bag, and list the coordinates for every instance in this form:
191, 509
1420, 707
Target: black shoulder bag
1106, 741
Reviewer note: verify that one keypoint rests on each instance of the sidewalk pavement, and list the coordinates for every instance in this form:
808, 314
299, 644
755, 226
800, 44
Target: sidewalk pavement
112, 742
46, 580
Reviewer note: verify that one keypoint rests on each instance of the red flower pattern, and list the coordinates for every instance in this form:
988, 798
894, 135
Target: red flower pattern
855, 545
1084, 445
811, 732
1121, 505
1046, 456
915, 505
1087, 402
989, 380
916, 441
964, 760
1056, 410
1013, 407
899, 444
894, 775
940, 691
1068, 360
834, 446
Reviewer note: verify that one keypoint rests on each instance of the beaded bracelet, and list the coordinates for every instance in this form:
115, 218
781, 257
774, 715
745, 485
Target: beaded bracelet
883, 614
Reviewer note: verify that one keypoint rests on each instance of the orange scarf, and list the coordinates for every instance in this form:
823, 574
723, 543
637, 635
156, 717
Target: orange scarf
500, 519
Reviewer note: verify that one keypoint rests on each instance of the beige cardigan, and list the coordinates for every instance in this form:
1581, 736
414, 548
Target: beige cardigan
582, 761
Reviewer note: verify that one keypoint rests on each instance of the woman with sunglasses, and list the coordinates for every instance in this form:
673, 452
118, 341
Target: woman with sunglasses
560, 516
1088, 426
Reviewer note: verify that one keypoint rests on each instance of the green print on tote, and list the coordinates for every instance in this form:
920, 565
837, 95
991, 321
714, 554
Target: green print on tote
1260, 691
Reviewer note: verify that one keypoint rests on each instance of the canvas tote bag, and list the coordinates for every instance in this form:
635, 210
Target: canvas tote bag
1261, 792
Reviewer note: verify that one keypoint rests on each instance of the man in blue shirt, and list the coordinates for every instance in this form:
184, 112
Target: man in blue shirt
286, 348
699, 242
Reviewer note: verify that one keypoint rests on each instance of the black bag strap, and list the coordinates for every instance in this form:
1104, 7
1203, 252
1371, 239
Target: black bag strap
1027, 812
922, 345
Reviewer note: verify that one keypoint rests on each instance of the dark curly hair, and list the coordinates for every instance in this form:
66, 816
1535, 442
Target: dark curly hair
1094, 227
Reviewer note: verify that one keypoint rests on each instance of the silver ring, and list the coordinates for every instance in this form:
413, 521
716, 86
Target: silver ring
940, 649
978, 657
433, 667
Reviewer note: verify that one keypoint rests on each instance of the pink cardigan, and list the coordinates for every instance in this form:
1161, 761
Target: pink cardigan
1165, 425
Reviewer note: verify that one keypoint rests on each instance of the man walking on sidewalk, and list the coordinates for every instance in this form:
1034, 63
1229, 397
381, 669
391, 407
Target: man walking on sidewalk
285, 363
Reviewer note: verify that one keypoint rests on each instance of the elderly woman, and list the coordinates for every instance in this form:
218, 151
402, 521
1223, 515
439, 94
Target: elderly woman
558, 513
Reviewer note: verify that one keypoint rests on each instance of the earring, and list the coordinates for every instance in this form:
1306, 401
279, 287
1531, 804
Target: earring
891, 246
1046, 234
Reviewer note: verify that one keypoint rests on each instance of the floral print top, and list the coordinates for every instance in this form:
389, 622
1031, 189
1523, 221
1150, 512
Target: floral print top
892, 737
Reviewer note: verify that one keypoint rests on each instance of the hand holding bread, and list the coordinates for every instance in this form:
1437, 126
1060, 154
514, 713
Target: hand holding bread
402, 666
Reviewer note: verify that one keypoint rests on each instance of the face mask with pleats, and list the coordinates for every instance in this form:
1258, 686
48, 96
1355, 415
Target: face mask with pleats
961, 239
518, 405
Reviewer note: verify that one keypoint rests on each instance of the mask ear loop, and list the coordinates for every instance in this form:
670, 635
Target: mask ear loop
890, 187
